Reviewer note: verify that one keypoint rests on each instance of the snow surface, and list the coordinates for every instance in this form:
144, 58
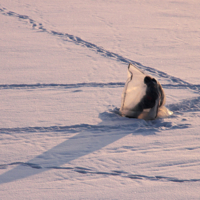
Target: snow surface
63, 69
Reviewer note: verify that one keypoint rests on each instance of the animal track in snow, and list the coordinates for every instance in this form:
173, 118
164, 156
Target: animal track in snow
123, 174
99, 50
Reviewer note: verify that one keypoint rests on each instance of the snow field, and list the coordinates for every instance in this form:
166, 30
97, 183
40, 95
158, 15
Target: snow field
63, 69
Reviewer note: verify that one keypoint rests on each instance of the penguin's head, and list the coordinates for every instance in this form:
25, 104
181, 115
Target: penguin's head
152, 90
150, 81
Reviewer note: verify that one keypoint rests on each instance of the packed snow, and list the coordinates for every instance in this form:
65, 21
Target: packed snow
63, 70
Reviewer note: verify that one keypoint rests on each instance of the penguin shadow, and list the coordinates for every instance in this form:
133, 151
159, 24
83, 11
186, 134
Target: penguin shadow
93, 138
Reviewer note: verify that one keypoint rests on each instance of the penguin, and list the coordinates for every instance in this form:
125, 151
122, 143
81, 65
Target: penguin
143, 96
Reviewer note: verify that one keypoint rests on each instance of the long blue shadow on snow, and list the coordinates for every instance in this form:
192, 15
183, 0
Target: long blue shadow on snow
92, 138
84, 143
71, 149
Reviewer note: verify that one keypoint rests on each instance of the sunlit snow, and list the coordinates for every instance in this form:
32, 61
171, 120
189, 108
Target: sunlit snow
63, 70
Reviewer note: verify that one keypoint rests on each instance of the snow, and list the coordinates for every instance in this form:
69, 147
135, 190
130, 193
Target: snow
63, 69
